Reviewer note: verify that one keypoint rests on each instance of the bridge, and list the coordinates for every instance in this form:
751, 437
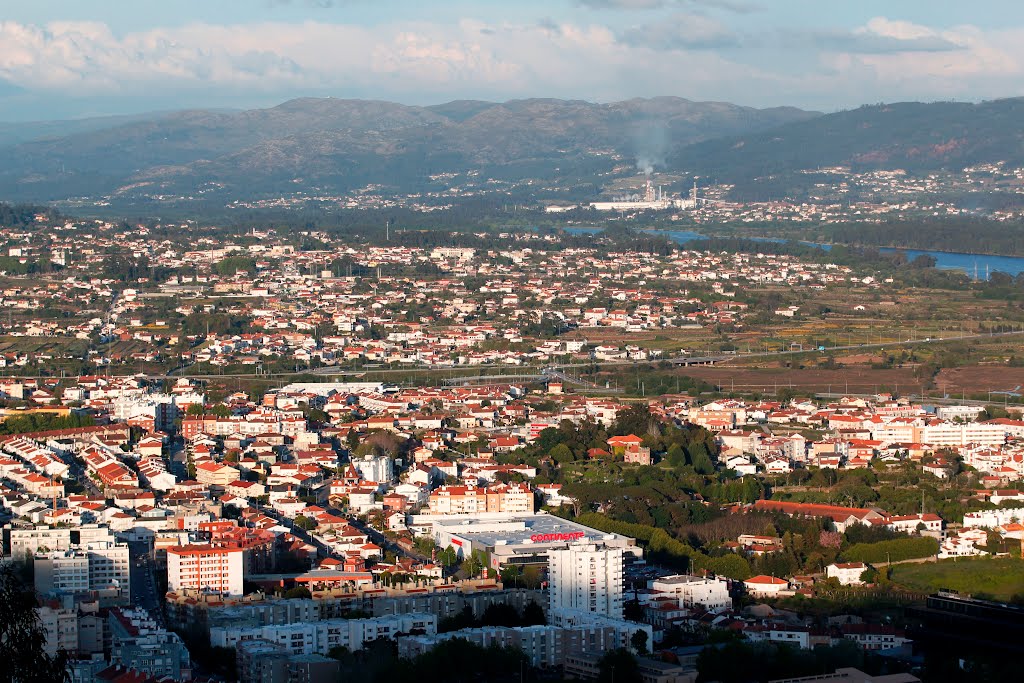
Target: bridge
686, 361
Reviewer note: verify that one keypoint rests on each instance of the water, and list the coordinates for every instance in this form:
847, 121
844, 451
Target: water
963, 261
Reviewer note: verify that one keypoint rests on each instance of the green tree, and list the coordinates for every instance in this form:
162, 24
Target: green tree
298, 592
533, 614
700, 458
305, 523
23, 658
618, 666
639, 642
448, 557
676, 456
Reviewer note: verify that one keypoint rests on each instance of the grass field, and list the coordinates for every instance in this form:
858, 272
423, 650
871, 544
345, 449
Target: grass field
997, 578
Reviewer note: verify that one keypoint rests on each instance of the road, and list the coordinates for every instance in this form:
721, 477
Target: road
682, 360
145, 590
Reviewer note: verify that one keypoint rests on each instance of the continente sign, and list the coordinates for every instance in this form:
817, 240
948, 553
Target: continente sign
547, 538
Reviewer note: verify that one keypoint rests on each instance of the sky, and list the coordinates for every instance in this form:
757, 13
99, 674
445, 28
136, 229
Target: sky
79, 58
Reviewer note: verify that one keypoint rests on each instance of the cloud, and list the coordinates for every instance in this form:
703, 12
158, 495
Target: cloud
681, 31
883, 36
698, 57
309, 3
738, 6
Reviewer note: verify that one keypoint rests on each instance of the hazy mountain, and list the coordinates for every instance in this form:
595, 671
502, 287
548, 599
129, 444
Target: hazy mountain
909, 135
332, 145
15, 133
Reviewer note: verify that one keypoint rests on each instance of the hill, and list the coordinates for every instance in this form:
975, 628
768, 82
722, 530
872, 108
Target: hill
913, 136
330, 145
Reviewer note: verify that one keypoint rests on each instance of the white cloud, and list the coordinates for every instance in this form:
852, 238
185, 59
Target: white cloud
78, 58
681, 31
432, 61
740, 6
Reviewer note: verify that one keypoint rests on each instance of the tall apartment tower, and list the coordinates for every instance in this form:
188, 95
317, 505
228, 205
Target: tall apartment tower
586, 577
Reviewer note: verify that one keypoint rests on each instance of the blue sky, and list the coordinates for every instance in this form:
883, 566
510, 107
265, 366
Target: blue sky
74, 58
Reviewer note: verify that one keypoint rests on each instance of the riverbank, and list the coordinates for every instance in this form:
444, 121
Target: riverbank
978, 265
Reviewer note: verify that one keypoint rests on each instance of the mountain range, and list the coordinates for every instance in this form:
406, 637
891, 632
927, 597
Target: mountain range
333, 146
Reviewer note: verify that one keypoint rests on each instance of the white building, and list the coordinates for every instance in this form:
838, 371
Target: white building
379, 469
26, 542
100, 566
219, 570
587, 578
710, 593
953, 434
318, 637
927, 524
848, 573
958, 412
990, 519
765, 586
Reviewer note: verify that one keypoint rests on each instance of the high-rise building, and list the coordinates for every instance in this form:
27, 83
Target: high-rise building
99, 566
206, 567
586, 577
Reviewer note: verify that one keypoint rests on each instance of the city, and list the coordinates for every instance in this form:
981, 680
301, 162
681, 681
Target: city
346, 341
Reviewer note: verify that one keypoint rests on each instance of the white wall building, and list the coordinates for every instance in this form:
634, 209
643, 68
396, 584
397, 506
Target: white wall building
318, 637
587, 578
99, 566
848, 573
378, 469
201, 567
711, 593
953, 434
958, 412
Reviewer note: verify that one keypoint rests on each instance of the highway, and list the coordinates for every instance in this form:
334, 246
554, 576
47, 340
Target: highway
524, 369
361, 373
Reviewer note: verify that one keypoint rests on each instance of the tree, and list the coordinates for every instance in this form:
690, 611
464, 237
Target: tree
676, 456
700, 458
639, 641
561, 453
305, 523
533, 614
618, 666
632, 610
23, 658
511, 575
448, 556
297, 593
473, 564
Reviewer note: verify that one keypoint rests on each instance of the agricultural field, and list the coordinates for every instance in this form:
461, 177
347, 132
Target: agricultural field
999, 578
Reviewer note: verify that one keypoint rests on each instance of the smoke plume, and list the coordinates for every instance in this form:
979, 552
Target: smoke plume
650, 145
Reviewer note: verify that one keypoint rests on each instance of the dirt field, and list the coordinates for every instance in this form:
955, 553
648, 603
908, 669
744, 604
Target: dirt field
979, 379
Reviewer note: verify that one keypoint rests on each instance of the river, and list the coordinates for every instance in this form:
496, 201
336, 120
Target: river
982, 264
